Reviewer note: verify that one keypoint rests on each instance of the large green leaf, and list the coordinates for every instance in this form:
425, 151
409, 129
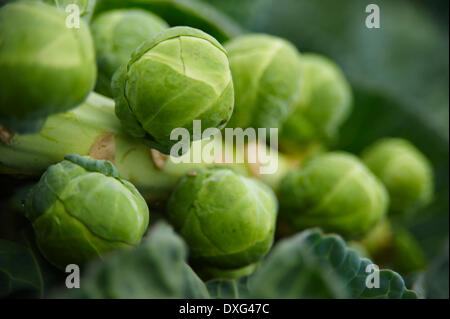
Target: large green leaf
193, 13
157, 268
312, 265
19, 270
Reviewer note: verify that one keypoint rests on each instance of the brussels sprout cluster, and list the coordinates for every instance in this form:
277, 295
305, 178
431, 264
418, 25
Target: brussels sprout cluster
159, 76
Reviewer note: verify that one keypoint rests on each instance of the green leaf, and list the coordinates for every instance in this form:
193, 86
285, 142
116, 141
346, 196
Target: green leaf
193, 13
157, 268
314, 265
227, 288
19, 270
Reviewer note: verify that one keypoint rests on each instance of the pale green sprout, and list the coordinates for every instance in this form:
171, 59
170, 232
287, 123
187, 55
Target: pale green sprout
117, 33
266, 74
46, 67
325, 103
227, 220
179, 76
404, 170
81, 209
333, 191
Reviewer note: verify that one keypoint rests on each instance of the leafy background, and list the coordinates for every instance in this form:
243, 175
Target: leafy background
400, 77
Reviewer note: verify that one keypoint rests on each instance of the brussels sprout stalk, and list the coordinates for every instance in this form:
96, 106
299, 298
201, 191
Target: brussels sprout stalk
90, 129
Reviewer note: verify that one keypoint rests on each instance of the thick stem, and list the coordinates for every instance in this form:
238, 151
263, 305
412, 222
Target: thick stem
93, 129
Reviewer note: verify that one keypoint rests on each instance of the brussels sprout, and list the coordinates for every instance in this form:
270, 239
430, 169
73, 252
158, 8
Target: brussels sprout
324, 104
227, 220
404, 170
117, 33
266, 75
46, 66
179, 76
82, 209
334, 191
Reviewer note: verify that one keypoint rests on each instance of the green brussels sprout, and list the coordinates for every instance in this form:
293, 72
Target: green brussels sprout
179, 76
46, 66
266, 75
117, 33
391, 245
404, 170
324, 104
82, 209
334, 191
227, 220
